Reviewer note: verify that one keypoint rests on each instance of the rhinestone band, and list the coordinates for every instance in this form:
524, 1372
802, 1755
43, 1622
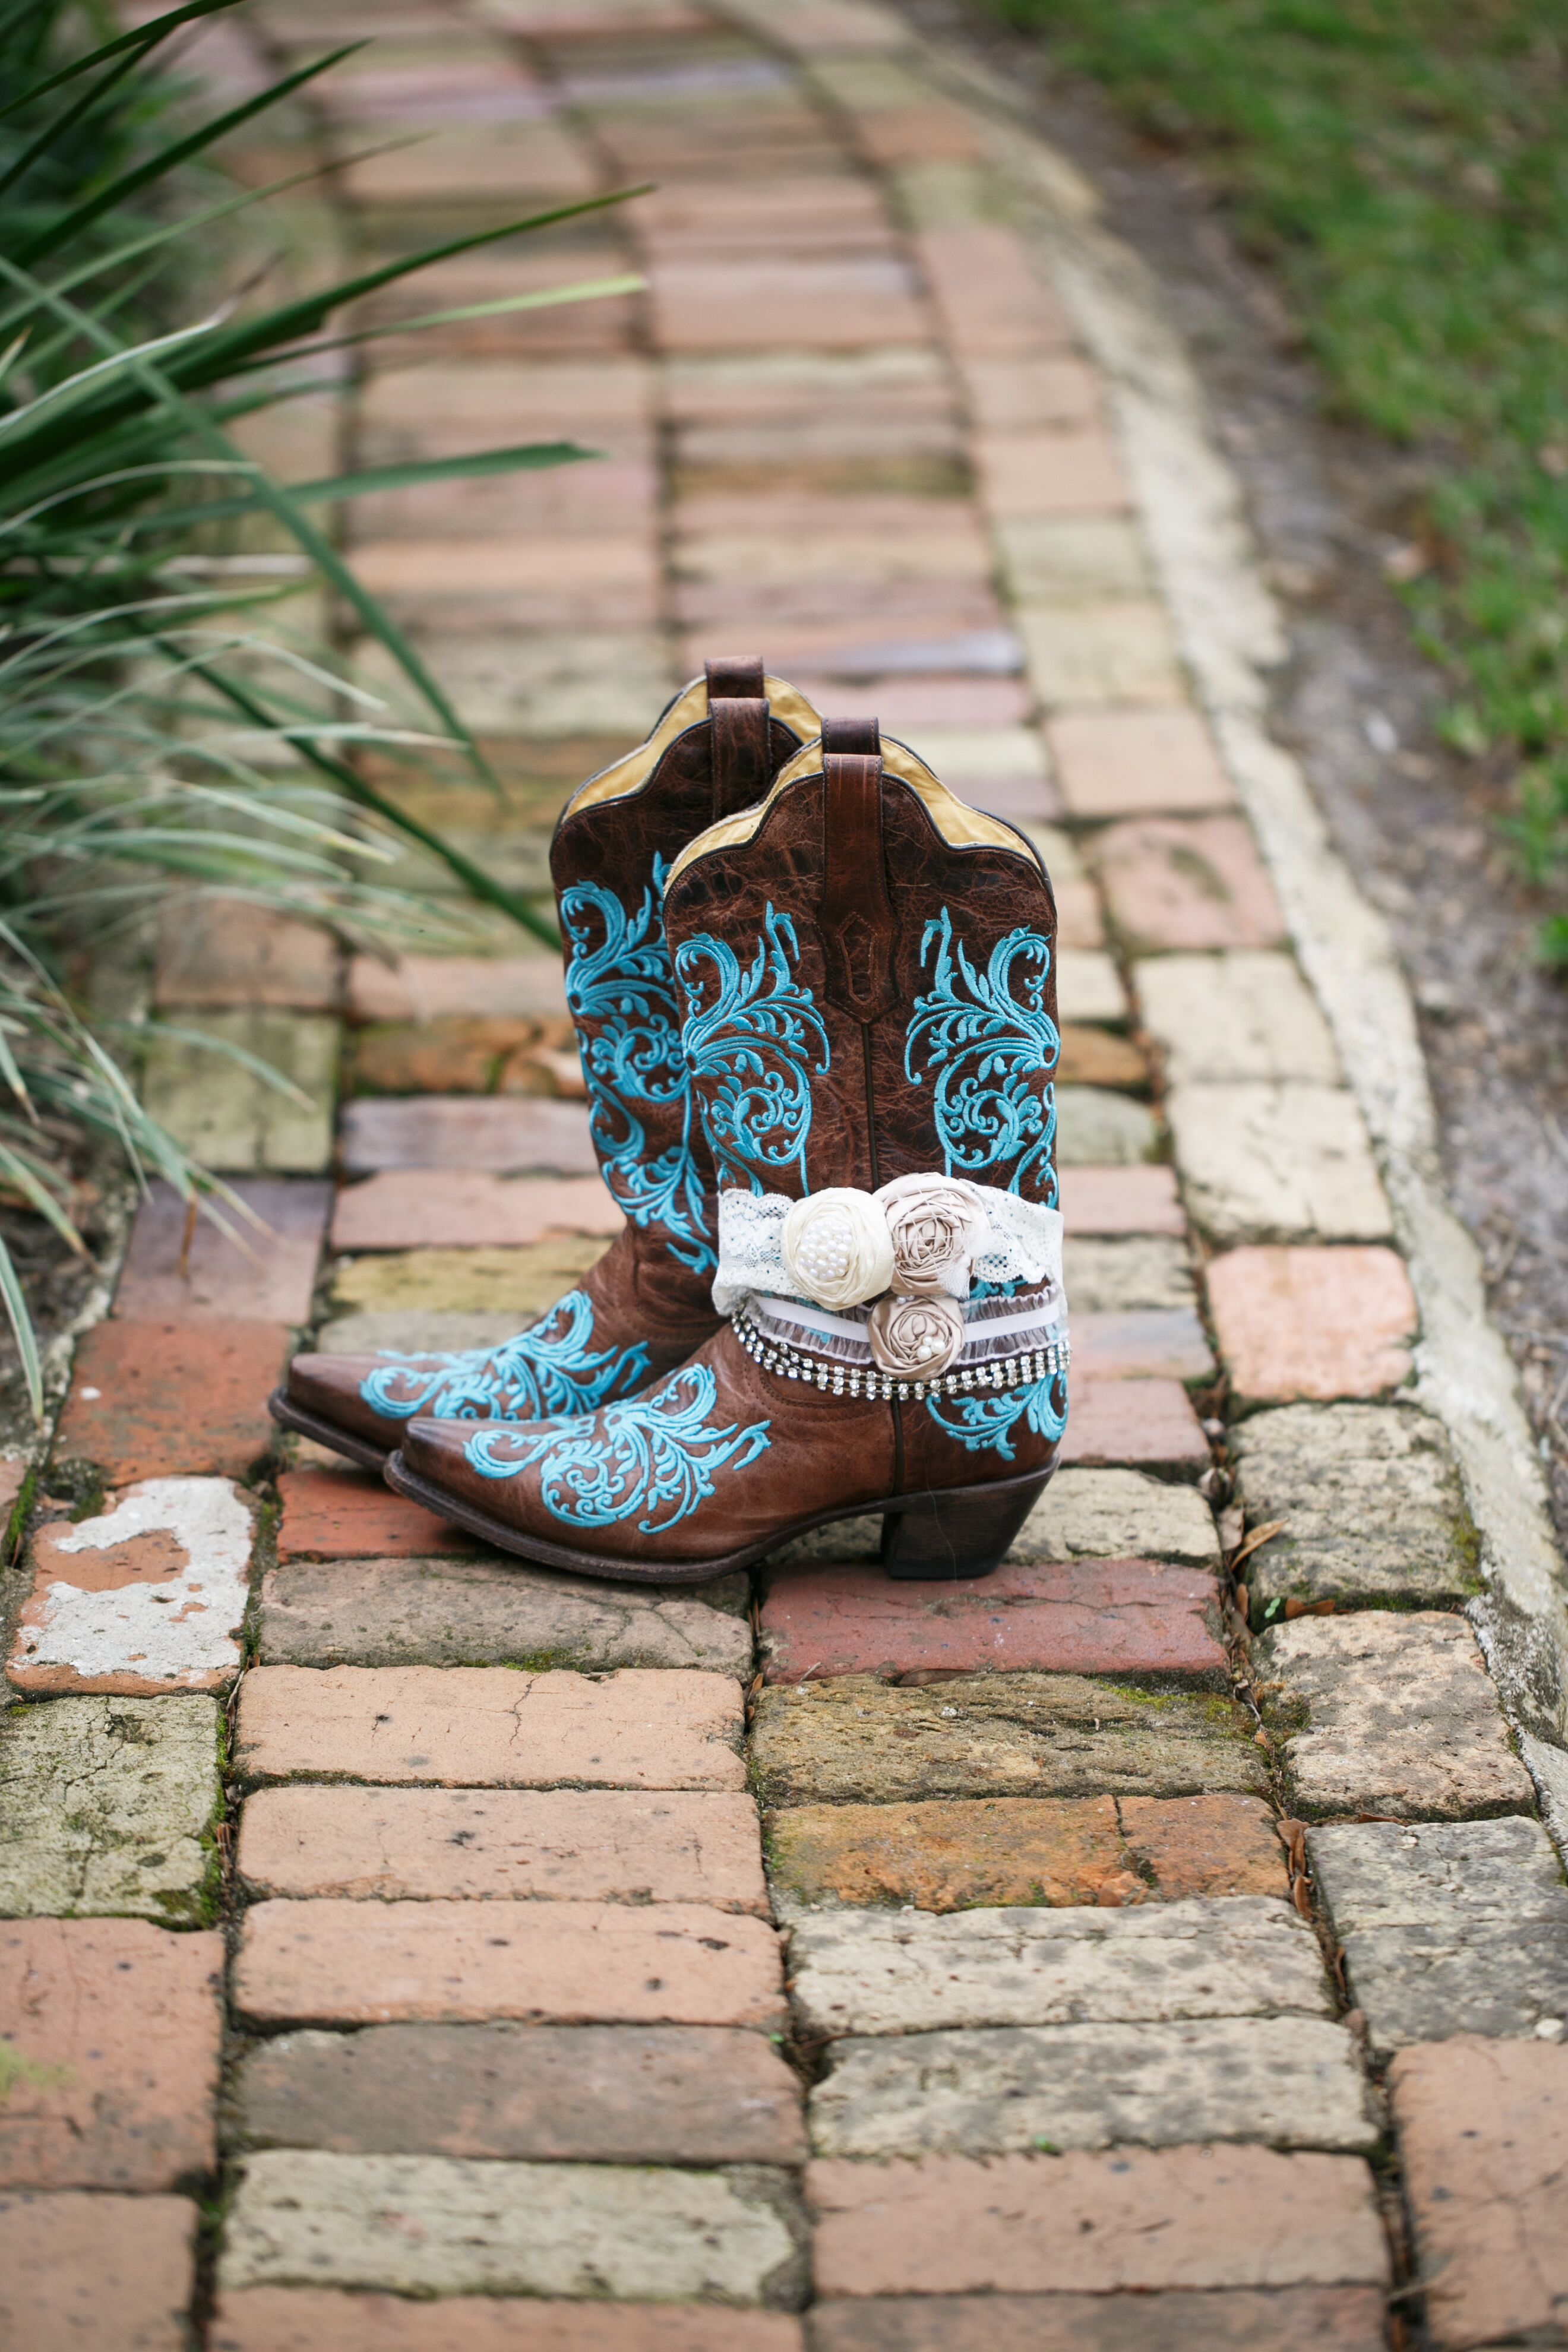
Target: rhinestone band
853, 1380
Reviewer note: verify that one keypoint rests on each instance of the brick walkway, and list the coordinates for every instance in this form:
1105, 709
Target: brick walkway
458, 1893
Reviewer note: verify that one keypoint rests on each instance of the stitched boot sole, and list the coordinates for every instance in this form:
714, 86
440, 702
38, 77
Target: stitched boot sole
289, 1415
1004, 1502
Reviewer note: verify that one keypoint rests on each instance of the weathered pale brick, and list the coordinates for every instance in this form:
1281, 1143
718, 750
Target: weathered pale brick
995, 1735
302, 2217
106, 1805
1390, 1712
460, 1612
1287, 2081
1447, 1926
1248, 1014
1265, 1162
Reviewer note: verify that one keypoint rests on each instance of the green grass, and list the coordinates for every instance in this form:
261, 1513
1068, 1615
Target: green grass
1404, 165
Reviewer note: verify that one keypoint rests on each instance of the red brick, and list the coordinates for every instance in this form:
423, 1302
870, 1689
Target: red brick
1080, 1617
477, 1727
351, 1515
1139, 2218
221, 951
1138, 1424
149, 1400
546, 2093
429, 988
90, 2274
904, 704
993, 303
1137, 763
1241, 2320
1027, 395
598, 1845
111, 2029
450, 1208
1023, 475
475, 164
1077, 909
1033, 800
827, 305
493, 1134
1483, 2127
822, 214
261, 1275
351, 1963
837, 28
1121, 1201
317, 2319
501, 579
1194, 882
933, 133
1205, 1845
1150, 1343
1313, 1323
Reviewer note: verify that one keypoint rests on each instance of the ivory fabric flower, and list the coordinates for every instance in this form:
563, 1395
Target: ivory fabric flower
915, 1338
837, 1248
938, 1228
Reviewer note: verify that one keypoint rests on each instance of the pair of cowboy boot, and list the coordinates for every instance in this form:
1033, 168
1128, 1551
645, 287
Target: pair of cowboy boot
648, 1305
868, 971
872, 1319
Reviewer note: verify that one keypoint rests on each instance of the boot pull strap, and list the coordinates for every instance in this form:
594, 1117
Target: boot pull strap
855, 914
852, 735
740, 732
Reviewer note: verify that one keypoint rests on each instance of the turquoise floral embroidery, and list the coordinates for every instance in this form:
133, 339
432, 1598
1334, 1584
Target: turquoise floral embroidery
549, 1370
985, 1423
750, 1051
986, 1041
657, 1454
621, 993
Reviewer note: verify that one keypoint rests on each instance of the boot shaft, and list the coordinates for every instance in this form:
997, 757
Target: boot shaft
869, 974
716, 747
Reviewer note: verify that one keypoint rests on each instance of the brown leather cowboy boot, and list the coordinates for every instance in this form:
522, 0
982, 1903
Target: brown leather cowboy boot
868, 971
648, 1303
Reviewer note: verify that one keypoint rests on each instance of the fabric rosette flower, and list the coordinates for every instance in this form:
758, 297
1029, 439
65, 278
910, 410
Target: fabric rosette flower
837, 1248
938, 1228
915, 1338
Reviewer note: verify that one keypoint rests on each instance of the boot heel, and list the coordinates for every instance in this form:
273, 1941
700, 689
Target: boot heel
962, 1531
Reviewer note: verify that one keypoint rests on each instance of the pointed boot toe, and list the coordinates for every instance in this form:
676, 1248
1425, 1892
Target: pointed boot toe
323, 1398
